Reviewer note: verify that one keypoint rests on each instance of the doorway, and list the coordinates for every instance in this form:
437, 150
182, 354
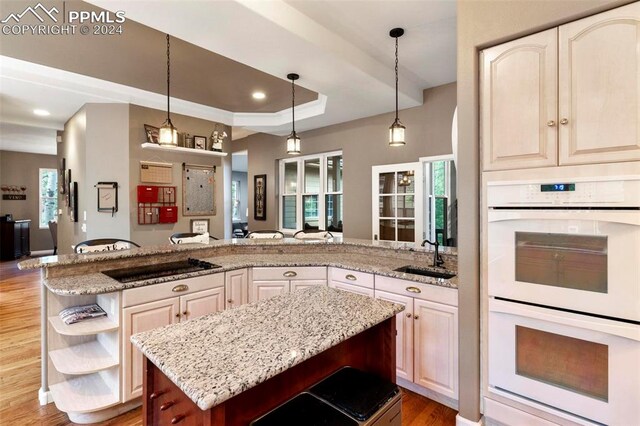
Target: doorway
239, 193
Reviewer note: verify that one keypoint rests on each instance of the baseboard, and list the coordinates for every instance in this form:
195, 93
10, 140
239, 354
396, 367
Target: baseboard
106, 414
461, 421
44, 397
428, 393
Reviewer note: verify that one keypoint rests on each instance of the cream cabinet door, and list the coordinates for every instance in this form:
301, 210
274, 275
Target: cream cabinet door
261, 290
404, 334
351, 288
299, 284
135, 320
436, 347
519, 103
236, 284
201, 303
599, 72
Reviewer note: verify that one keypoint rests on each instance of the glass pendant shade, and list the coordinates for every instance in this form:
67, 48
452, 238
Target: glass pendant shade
293, 144
168, 134
396, 134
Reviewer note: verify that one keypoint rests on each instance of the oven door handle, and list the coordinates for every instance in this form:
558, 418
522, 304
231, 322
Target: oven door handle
625, 217
616, 328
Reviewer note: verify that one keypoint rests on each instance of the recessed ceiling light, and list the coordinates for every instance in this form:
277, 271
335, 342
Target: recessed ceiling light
41, 112
258, 95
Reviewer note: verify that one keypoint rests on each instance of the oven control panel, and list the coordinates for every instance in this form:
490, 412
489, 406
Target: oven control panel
603, 193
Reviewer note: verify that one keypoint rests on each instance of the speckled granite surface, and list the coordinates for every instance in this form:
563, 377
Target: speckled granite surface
76, 259
218, 356
382, 265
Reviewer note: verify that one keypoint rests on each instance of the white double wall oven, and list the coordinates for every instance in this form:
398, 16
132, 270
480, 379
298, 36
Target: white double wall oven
563, 280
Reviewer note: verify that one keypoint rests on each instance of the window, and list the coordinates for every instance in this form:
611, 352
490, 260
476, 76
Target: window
235, 199
48, 196
311, 192
440, 201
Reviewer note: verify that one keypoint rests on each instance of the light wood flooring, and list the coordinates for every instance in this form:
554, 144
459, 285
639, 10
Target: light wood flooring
20, 364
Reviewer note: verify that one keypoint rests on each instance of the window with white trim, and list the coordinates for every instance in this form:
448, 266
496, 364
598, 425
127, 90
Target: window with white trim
48, 194
311, 192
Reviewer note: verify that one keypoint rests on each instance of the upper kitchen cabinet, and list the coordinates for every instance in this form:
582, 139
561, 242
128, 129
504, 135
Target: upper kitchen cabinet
569, 95
519, 103
599, 90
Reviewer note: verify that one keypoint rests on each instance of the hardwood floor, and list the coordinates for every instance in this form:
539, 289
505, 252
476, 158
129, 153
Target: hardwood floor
20, 364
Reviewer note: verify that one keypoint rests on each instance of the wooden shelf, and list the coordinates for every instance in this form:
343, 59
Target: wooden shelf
83, 328
82, 359
157, 147
83, 394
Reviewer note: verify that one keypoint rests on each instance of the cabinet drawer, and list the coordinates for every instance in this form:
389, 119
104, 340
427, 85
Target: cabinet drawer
362, 279
434, 293
292, 273
150, 293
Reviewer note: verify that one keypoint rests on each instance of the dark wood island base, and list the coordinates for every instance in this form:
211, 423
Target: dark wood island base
372, 350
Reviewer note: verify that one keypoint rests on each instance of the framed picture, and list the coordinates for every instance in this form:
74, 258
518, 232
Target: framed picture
73, 201
152, 133
69, 187
260, 194
107, 197
200, 226
63, 171
200, 142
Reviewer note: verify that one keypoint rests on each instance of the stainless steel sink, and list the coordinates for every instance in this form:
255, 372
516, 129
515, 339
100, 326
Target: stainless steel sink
425, 272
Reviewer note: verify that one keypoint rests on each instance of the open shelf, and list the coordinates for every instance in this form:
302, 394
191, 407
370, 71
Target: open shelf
82, 359
157, 147
83, 394
83, 328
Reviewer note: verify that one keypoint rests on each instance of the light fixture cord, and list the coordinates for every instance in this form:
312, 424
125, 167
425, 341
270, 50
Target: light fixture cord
293, 105
396, 78
168, 77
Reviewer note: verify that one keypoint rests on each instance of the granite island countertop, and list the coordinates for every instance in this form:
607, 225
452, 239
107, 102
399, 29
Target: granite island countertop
220, 355
97, 283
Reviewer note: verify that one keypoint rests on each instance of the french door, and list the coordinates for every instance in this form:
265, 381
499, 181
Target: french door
397, 202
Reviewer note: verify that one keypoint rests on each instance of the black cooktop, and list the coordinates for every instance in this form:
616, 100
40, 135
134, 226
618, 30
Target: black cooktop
139, 273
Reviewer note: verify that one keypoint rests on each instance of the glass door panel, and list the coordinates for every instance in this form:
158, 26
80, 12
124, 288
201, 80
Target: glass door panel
406, 206
387, 229
387, 206
387, 183
406, 230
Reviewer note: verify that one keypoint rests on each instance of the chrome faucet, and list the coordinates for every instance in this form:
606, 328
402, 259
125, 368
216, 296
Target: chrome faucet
437, 260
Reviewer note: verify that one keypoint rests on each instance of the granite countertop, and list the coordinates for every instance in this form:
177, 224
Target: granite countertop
97, 283
75, 259
218, 356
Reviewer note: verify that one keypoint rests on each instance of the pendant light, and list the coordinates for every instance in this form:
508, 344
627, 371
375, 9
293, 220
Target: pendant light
168, 134
396, 131
293, 141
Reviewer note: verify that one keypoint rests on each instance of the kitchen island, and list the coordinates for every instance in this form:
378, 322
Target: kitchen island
233, 366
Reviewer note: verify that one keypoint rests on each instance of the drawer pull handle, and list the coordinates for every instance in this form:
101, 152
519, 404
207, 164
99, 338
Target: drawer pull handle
166, 405
155, 395
351, 277
179, 288
414, 290
289, 274
177, 419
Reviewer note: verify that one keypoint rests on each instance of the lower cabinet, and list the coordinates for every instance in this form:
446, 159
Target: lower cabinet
159, 305
427, 334
236, 287
269, 282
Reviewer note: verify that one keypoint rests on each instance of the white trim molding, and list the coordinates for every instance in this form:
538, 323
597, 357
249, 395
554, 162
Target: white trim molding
461, 421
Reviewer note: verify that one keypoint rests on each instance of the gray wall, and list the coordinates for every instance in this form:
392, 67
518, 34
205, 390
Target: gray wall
20, 168
364, 143
242, 193
482, 24
94, 144
159, 234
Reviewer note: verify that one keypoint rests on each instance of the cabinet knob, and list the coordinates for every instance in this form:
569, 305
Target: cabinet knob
289, 274
408, 315
229, 300
564, 121
178, 315
551, 123
415, 317
351, 277
166, 405
177, 419
185, 313
413, 290
155, 395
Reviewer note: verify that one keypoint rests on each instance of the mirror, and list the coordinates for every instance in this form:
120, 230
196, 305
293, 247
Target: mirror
440, 200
